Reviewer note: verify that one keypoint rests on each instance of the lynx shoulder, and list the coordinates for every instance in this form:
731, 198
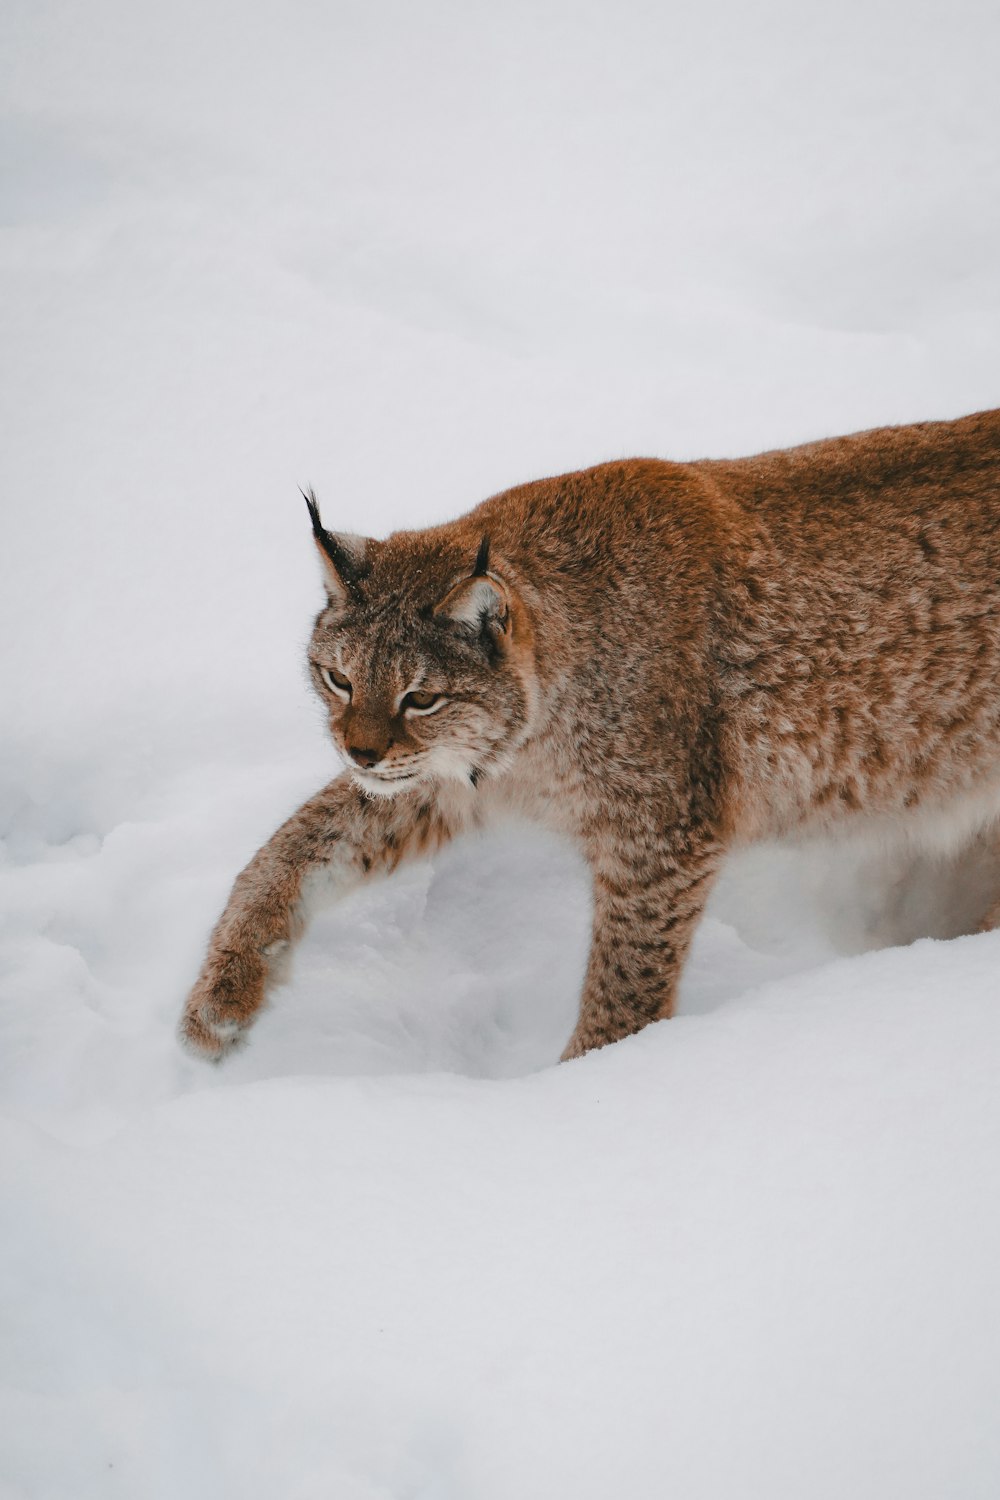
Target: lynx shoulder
665, 660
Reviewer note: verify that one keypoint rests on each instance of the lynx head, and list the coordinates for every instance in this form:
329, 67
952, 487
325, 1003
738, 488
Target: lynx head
423, 657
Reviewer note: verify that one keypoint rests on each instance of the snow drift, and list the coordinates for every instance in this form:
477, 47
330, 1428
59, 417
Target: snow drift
413, 255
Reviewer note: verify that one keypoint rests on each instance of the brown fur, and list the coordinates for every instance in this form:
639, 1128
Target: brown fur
665, 661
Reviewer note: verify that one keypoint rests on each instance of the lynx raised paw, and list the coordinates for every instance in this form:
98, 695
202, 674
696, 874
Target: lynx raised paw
217, 1014
206, 1039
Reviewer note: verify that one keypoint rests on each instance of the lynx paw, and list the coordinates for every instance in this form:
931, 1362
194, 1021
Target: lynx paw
600, 1031
582, 1042
206, 1039
217, 1015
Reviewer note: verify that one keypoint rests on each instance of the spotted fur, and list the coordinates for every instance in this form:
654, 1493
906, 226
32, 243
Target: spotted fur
662, 660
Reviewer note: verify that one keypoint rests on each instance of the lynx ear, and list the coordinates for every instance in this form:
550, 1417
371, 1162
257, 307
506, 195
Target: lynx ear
480, 601
342, 554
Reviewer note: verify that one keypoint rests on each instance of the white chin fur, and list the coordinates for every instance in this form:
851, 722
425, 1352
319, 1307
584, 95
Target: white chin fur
450, 765
380, 786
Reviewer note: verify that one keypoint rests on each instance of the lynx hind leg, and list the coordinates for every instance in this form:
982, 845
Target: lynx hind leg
992, 918
982, 878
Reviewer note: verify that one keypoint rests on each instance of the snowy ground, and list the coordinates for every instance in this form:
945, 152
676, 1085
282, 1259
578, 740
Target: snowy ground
412, 254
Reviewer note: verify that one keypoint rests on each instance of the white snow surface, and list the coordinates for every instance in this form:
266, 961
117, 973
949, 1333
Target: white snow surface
412, 254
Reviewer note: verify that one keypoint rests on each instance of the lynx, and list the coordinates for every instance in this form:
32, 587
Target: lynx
662, 660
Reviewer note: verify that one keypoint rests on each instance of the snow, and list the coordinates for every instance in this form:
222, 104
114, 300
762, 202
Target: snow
411, 255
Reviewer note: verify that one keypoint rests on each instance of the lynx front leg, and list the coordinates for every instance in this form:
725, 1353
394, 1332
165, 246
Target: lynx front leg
339, 836
646, 907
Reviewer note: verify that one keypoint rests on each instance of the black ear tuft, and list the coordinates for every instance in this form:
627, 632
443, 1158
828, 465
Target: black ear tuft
482, 562
313, 508
346, 555
323, 537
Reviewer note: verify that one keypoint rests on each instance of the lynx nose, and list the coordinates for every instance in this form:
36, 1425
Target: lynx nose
364, 757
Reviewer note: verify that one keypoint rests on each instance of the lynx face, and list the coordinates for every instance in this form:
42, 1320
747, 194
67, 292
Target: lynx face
417, 663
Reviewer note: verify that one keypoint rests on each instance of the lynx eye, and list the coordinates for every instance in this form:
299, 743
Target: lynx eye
422, 703
335, 682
